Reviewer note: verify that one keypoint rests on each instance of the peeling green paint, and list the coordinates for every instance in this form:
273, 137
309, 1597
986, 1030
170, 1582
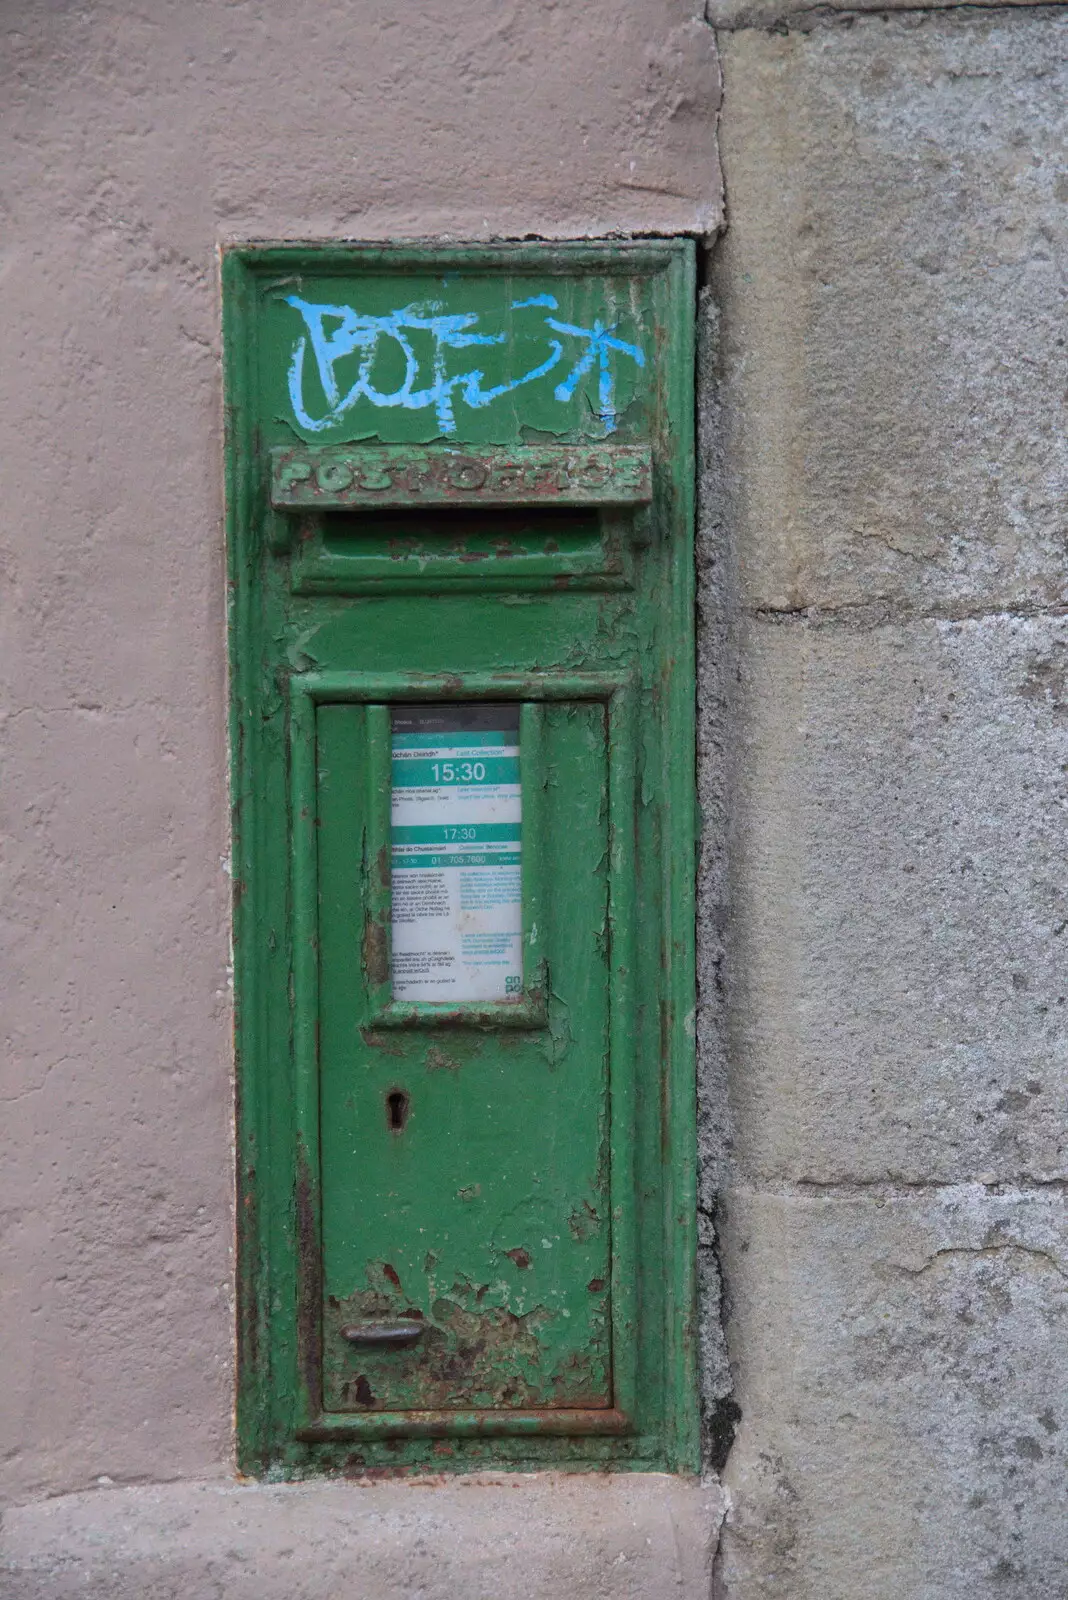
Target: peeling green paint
506, 1147
532, 1211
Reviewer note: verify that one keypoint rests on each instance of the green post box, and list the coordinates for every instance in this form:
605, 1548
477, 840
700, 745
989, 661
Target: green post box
460, 557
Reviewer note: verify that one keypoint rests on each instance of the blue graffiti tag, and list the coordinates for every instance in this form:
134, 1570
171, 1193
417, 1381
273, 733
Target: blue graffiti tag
362, 335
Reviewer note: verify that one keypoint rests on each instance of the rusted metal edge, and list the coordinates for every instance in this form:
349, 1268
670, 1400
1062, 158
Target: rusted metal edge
530, 1012
345, 687
355, 477
336, 1428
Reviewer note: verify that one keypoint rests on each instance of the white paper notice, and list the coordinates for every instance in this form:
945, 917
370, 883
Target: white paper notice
456, 820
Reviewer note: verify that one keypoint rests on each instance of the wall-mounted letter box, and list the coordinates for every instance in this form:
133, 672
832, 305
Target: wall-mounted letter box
460, 503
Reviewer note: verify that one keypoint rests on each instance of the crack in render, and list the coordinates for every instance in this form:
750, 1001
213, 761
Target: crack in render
717, 1589
797, 16
835, 1188
1009, 1246
711, 240
868, 615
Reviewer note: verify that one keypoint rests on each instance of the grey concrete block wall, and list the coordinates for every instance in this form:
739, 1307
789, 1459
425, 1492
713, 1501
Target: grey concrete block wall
900, 1352
900, 993
894, 269
885, 572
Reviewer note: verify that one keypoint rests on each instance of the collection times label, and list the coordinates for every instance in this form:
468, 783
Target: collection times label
456, 820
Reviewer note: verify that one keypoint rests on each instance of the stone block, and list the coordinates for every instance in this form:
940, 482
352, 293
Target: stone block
893, 355
499, 1537
900, 1360
897, 987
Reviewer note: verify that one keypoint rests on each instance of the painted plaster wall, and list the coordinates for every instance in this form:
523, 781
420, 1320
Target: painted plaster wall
885, 577
136, 140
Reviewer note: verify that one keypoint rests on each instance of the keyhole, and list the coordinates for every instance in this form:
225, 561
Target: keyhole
397, 1108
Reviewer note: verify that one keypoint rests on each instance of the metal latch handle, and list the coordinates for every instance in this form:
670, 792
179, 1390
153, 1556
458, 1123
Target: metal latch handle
387, 1335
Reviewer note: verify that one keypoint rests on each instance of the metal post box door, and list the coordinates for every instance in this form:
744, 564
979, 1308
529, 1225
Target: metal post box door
460, 545
466, 1208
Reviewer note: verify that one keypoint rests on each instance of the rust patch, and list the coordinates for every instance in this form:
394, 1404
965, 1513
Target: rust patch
374, 951
520, 1256
356, 1467
438, 1061
248, 1310
405, 549
471, 1357
310, 1285
384, 1279
583, 1223
596, 1285
665, 1083
381, 1041
465, 1018
574, 1378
